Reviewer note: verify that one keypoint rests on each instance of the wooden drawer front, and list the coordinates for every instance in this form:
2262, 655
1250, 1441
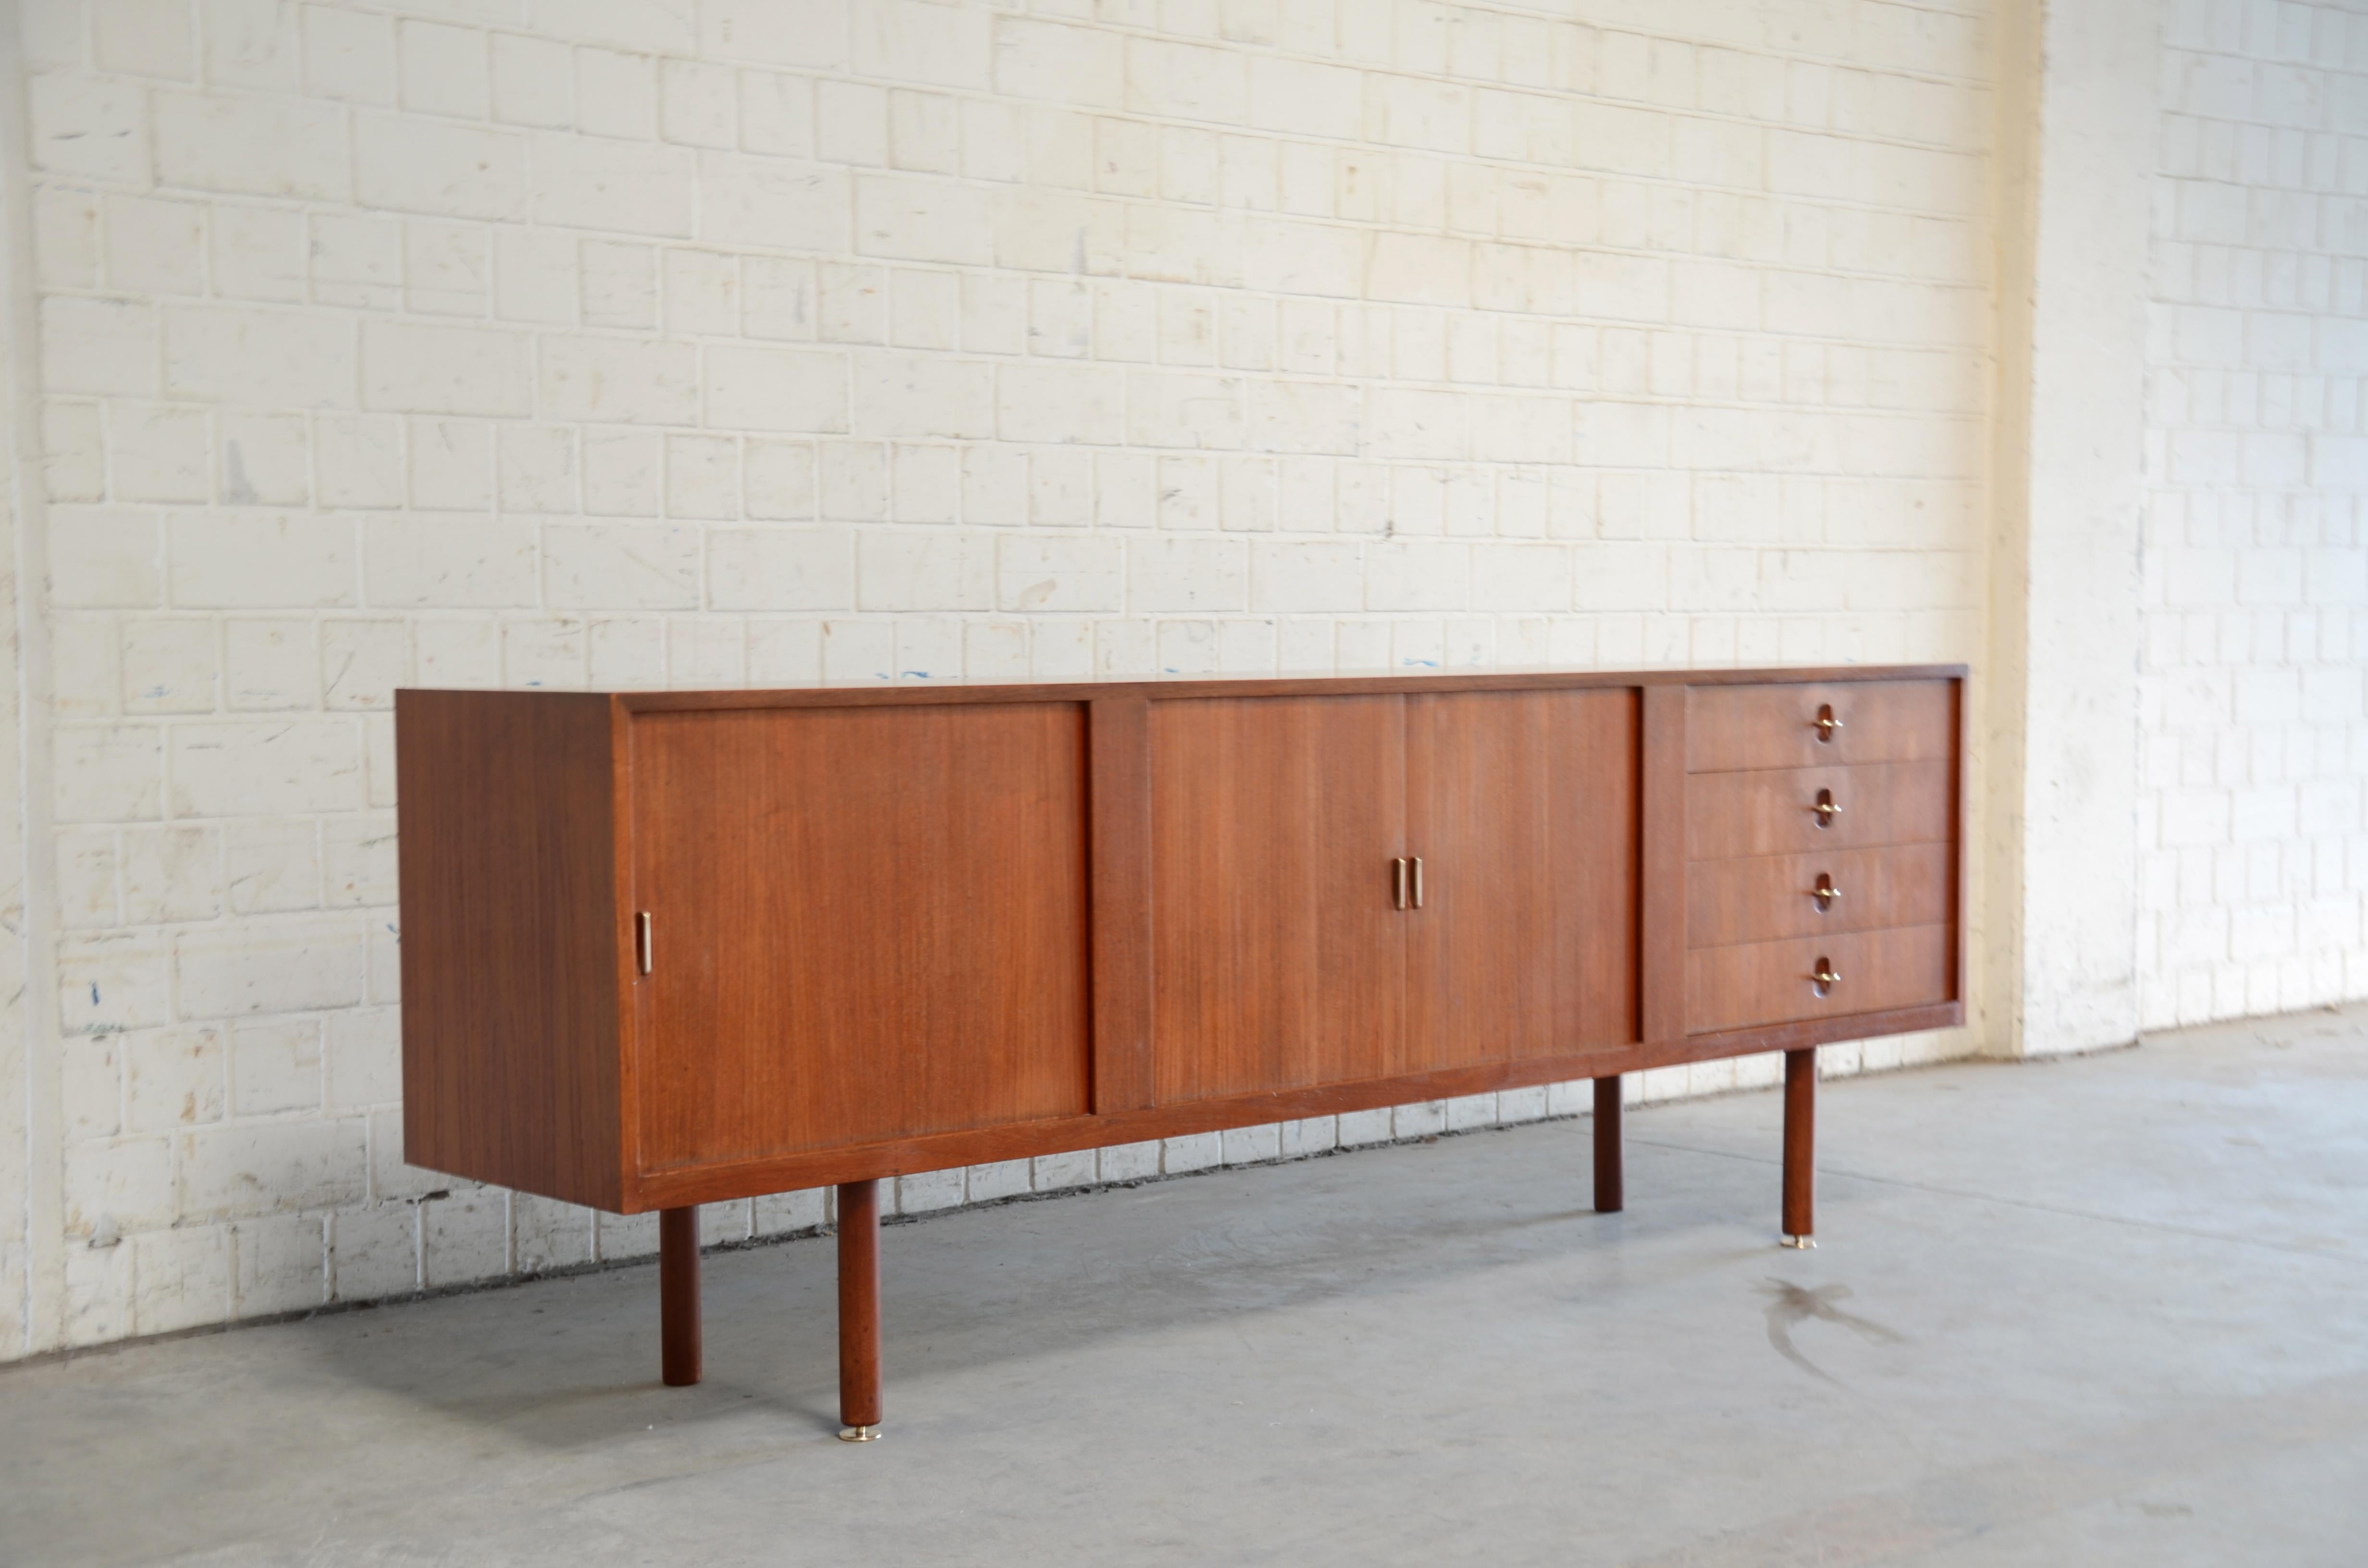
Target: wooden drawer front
1754, 984
1733, 727
1770, 897
1773, 811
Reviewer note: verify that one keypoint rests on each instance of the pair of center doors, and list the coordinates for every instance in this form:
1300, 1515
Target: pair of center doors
876, 922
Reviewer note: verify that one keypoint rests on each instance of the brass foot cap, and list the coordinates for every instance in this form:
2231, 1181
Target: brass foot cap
859, 1434
1803, 1242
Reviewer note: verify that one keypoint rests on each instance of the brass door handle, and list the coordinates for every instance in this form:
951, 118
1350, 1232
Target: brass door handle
645, 942
1826, 808
1824, 976
1399, 876
1825, 893
1417, 882
1826, 723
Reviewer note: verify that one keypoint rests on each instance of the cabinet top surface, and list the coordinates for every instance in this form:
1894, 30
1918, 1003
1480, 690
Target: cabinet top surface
664, 699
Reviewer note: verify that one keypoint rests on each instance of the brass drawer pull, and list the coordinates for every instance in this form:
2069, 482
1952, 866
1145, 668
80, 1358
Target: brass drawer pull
1825, 893
1827, 722
1826, 808
1825, 977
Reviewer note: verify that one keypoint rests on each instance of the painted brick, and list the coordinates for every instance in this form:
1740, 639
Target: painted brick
281, 1265
925, 570
261, 145
775, 389
101, 345
281, 357
612, 567
410, 165
417, 560
1009, 345
763, 204
781, 568
96, 129
242, 1169
412, 368
614, 186
105, 558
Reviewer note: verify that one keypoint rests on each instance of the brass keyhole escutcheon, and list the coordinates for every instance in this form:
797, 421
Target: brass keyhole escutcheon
1827, 722
1825, 893
1826, 808
1825, 977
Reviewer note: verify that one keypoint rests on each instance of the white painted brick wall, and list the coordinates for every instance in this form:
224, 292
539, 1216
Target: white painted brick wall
595, 344
2255, 829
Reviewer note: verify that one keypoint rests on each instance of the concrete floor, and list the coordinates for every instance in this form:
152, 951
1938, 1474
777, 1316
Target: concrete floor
2105, 1311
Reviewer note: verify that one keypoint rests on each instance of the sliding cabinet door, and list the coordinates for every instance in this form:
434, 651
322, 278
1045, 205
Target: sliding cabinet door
1278, 953
865, 923
1524, 808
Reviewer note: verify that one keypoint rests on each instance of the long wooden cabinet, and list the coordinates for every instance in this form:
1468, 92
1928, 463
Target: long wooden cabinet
663, 948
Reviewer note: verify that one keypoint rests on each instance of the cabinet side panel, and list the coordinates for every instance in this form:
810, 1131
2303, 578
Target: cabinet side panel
510, 1052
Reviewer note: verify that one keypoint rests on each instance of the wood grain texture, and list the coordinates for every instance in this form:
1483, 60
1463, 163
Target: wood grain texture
1119, 733
1772, 812
1523, 809
1710, 1044
760, 1075
1773, 896
1768, 983
867, 924
1799, 1143
901, 1156
633, 999
1732, 728
1661, 895
1611, 1186
510, 1024
1278, 959
679, 1326
859, 1303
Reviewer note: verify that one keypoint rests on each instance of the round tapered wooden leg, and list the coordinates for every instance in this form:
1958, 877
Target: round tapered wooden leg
678, 1295
1800, 1146
859, 1311
1610, 1194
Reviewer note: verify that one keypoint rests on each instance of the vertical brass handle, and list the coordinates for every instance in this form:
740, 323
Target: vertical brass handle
1827, 722
1399, 876
1825, 893
645, 942
1417, 882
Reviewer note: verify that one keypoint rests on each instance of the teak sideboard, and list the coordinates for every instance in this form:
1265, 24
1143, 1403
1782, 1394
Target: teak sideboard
663, 948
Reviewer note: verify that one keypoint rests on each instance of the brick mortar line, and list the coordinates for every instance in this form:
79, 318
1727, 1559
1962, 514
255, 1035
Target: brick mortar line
845, 71
856, 260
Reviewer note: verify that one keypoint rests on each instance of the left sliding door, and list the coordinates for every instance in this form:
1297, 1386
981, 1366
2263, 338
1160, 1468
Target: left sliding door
866, 922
